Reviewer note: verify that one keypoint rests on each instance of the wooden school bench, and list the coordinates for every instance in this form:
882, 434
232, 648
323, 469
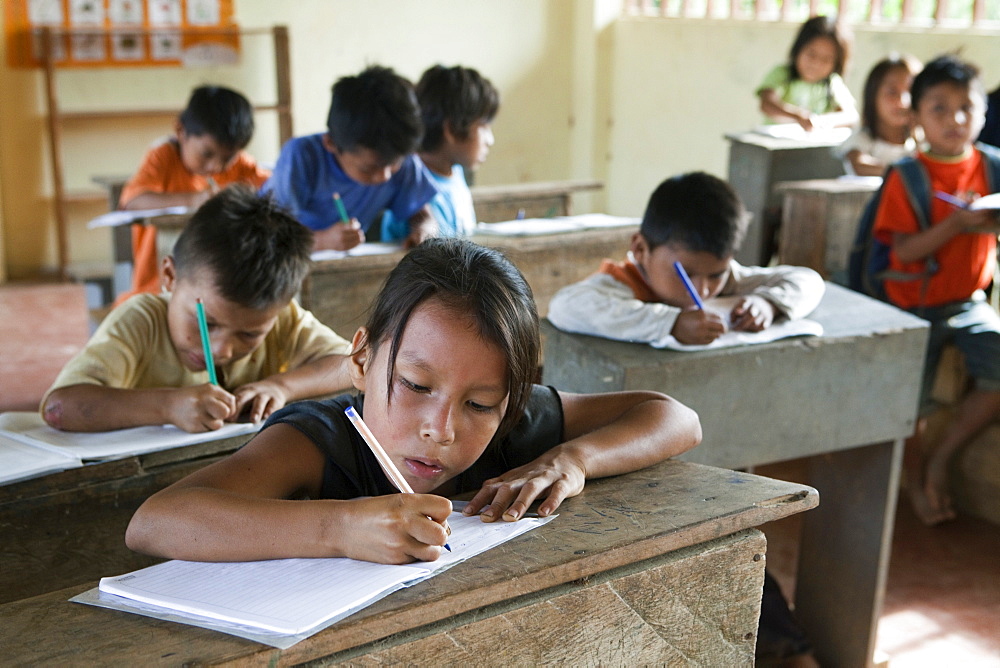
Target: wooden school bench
757, 162
846, 400
819, 218
660, 566
339, 291
65, 528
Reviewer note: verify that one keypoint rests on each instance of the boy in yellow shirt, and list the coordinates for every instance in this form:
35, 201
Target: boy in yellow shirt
244, 258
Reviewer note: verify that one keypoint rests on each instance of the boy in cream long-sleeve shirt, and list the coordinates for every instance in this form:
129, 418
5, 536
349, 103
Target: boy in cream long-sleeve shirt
698, 220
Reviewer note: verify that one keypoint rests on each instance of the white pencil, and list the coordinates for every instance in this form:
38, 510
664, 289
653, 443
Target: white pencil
390, 469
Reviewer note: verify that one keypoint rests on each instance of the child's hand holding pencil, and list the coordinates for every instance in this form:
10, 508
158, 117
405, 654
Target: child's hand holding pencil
343, 235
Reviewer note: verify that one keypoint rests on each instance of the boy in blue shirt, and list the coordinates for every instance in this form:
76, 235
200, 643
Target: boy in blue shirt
366, 157
458, 105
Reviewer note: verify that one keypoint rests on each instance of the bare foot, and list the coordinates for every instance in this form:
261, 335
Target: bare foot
925, 509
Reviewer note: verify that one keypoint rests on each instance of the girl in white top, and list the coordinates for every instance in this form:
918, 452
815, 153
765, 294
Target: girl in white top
886, 131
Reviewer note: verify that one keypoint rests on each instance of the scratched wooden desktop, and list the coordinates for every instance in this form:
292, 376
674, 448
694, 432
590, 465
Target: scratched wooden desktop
845, 400
660, 567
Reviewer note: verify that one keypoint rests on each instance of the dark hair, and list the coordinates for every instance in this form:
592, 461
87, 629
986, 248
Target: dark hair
457, 95
377, 110
948, 68
257, 252
814, 28
221, 113
882, 69
475, 281
698, 211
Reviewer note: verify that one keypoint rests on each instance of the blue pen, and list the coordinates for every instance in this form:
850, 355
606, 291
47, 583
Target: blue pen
951, 199
689, 285
395, 477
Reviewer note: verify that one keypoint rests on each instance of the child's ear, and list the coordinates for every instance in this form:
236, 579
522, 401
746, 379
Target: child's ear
169, 275
640, 248
329, 145
358, 362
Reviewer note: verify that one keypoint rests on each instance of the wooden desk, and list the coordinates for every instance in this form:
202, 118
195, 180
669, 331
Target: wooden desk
847, 400
495, 204
67, 528
756, 163
339, 292
660, 566
819, 218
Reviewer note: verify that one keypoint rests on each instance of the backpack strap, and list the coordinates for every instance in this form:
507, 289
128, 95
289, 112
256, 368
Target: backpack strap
991, 154
917, 185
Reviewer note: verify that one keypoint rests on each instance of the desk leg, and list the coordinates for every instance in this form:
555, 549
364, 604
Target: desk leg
844, 558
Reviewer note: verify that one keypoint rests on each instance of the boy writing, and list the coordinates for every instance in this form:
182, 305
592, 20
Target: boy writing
949, 103
365, 158
457, 105
205, 155
695, 219
244, 259
698, 220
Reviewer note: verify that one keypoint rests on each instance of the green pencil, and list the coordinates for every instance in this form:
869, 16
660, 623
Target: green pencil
340, 209
206, 343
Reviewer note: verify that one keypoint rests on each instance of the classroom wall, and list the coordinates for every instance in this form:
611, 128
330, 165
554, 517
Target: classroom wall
586, 94
522, 45
678, 86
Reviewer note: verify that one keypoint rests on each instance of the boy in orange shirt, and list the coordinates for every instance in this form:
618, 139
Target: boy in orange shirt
205, 155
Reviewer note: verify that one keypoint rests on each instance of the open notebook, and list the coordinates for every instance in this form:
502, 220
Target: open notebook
781, 329
29, 447
282, 601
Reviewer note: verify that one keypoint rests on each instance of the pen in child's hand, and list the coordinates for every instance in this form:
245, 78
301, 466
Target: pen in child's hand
341, 210
951, 199
689, 285
383, 459
206, 343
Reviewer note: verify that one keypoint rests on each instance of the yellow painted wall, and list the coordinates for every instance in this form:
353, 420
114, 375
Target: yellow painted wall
678, 86
585, 94
521, 45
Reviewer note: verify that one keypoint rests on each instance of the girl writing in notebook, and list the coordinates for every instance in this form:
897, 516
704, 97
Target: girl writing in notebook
809, 89
444, 370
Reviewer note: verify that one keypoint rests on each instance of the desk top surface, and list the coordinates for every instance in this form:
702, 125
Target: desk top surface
844, 314
852, 184
614, 522
773, 143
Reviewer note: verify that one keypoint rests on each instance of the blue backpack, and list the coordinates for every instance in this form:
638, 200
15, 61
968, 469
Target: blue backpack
868, 261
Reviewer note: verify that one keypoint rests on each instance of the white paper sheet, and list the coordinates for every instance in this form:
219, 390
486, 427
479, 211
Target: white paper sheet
286, 597
29, 428
19, 460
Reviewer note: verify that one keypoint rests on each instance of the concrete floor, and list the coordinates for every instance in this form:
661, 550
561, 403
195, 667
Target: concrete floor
942, 605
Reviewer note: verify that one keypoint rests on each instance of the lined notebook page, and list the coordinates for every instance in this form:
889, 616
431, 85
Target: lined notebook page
292, 596
28, 427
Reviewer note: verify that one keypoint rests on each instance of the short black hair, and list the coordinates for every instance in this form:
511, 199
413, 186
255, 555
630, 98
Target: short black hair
221, 113
698, 211
457, 95
257, 252
377, 110
948, 68
472, 280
